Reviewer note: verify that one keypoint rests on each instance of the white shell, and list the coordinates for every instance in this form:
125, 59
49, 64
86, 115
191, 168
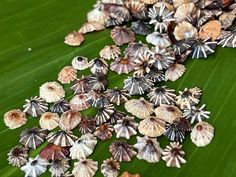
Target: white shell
97, 15
83, 147
184, 30
110, 168
51, 92
202, 134
79, 102
15, 118
80, 63
35, 167
85, 168
139, 107
157, 39
174, 72
90, 27
49, 120
148, 149
110, 52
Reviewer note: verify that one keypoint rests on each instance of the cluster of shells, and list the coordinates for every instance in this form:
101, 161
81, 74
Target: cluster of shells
175, 29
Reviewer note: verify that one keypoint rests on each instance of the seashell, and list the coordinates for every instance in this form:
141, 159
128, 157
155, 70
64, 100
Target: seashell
59, 167
87, 125
168, 113
137, 85
184, 30
85, 168
155, 75
160, 16
117, 96
98, 67
228, 40
104, 131
97, 99
69, 120
79, 102
110, 52
152, 127
158, 39
144, 62
74, 39
211, 29
104, 113
51, 92
35, 106
110, 168
173, 155
35, 167
114, 22
53, 152
117, 115
161, 95
120, 2
127, 174
183, 46
126, 127
149, 1
162, 57
122, 151
177, 3
62, 138
122, 65
139, 108
83, 147
67, 75
49, 121
196, 114
33, 137
148, 149
202, 134
188, 97
134, 49
90, 27
60, 106
82, 85
174, 72
203, 48
15, 118
18, 156
141, 28
98, 15
226, 19
122, 35
183, 11
99, 83
138, 9
80, 63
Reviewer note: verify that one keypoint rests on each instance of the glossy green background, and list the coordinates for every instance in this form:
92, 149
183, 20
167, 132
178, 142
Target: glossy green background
42, 25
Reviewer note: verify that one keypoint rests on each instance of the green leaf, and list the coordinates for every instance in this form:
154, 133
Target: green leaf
42, 25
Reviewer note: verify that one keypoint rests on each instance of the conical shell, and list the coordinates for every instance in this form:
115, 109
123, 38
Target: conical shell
49, 120
85, 168
69, 120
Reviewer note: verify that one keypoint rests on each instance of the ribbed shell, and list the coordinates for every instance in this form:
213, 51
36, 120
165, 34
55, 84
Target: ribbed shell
74, 39
62, 138
49, 121
126, 127
110, 168
117, 96
35, 167
122, 35
90, 27
158, 39
59, 167
168, 113
202, 134
104, 131
148, 149
33, 137
152, 127
83, 147
15, 118
35, 106
134, 49
173, 155
97, 99
122, 151
69, 120
67, 75
174, 72
87, 125
137, 85
110, 52
18, 156
60, 106
80, 63
98, 67
139, 108
122, 65
127, 174
117, 115
52, 152
82, 85
85, 168
79, 102
51, 92
104, 114
155, 75
99, 83
161, 95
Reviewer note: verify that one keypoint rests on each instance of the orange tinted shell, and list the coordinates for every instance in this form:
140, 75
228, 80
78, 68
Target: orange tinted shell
74, 39
127, 174
212, 30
